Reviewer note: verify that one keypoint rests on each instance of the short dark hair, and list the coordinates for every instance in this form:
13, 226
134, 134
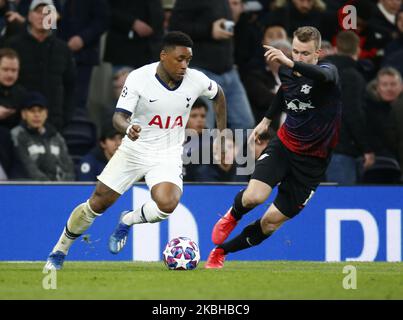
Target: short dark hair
347, 42
9, 53
308, 33
199, 103
176, 38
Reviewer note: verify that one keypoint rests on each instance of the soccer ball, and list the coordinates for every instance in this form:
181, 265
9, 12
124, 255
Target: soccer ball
181, 254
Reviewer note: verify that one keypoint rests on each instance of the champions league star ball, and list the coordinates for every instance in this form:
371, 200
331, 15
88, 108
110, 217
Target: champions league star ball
181, 254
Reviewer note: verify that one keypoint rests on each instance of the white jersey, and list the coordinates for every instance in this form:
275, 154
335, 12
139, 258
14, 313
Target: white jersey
161, 112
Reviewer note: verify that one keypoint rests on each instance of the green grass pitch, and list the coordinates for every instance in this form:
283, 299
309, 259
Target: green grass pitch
238, 280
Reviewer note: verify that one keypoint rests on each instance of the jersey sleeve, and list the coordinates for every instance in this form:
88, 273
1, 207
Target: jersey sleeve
209, 88
324, 72
129, 96
276, 106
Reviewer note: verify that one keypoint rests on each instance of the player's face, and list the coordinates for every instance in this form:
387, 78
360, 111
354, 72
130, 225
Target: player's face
176, 61
389, 87
305, 51
9, 69
35, 117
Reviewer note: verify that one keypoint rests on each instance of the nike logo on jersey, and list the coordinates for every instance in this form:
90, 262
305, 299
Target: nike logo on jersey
153, 100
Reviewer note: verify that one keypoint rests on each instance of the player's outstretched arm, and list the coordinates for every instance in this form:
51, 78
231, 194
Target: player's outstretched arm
275, 108
323, 73
220, 108
121, 123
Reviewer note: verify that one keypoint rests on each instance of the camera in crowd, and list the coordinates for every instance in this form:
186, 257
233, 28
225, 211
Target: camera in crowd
229, 25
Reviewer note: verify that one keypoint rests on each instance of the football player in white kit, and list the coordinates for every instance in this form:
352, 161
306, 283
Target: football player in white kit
152, 111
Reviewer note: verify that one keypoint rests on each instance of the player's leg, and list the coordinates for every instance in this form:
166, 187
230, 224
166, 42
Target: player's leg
81, 218
271, 167
252, 235
165, 198
256, 193
165, 182
291, 199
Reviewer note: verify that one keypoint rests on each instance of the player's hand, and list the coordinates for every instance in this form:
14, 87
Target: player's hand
369, 160
142, 28
133, 131
275, 55
218, 32
260, 129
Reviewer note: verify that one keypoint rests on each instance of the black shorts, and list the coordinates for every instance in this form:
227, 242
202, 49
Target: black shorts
298, 176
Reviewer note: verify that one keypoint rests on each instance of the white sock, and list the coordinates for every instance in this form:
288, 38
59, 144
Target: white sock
147, 213
79, 221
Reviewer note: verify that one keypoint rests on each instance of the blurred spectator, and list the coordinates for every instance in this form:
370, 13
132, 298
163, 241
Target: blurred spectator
297, 13
369, 44
92, 164
11, 94
222, 166
118, 81
167, 6
382, 94
134, 35
40, 149
397, 129
81, 26
262, 81
247, 33
47, 65
353, 139
383, 20
11, 98
11, 21
326, 49
193, 147
397, 43
394, 50
272, 33
210, 24
197, 117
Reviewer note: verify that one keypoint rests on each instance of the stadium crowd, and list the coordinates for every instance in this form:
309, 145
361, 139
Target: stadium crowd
59, 85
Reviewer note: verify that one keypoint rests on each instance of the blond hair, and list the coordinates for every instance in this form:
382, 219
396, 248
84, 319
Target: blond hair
308, 33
